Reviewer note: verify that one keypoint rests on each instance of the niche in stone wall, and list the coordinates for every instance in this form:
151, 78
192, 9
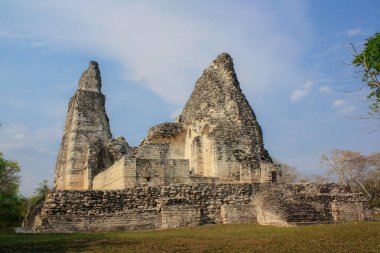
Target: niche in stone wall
197, 156
199, 149
146, 174
189, 150
207, 153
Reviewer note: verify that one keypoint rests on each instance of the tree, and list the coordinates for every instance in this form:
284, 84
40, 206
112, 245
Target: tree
288, 173
10, 200
372, 181
360, 172
369, 61
319, 179
9, 178
39, 192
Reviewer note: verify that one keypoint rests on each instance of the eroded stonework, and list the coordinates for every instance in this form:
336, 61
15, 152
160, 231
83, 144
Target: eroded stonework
210, 166
216, 139
86, 119
181, 205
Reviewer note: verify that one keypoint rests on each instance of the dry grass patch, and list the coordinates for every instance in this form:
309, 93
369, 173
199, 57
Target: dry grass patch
349, 237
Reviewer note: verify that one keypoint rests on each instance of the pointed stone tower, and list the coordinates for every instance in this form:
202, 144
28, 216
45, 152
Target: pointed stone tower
224, 139
86, 119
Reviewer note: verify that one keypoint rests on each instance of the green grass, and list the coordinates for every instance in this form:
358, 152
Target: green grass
348, 237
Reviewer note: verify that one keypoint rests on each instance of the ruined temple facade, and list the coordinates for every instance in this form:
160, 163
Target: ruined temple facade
210, 166
216, 139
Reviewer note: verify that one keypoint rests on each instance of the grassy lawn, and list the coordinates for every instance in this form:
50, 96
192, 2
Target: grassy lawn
349, 237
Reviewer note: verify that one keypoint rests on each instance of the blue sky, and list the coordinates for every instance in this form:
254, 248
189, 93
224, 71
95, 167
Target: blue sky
291, 57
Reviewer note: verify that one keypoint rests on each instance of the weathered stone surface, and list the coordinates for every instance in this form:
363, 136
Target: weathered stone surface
158, 207
33, 212
239, 214
90, 79
217, 131
303, 204
217, 103
180, 216
102, 154
164, 130
86, 119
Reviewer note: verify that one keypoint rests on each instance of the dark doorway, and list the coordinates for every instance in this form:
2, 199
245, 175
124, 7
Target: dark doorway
274, 176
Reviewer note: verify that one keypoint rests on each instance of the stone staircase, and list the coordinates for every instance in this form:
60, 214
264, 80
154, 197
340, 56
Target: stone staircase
292, 205
303, 214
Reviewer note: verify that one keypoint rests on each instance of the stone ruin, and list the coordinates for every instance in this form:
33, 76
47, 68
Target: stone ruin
216, 139
210, 166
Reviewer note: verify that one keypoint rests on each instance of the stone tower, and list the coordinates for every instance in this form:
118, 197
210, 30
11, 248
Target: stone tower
217, 132
224, 139
86, 118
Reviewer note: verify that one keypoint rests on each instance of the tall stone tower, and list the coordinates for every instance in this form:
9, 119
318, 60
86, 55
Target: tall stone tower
224, 138
86, 118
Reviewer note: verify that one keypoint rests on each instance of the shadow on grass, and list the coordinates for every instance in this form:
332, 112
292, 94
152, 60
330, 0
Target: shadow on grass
75, 245
7, 231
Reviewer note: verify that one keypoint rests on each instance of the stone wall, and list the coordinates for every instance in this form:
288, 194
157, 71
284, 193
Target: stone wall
72, 223
162, 171
130, 171
139, 207
303, 204
159, 207
180, 216
111, 178
343, 211
153, 151
239, 214
32, 213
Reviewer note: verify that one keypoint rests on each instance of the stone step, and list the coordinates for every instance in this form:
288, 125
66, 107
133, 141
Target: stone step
304, 218
309, 219
304, 212
308, 223
307, 209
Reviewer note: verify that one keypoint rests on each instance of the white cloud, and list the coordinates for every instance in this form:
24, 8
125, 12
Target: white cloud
325, 89
354, 32
343, 106
40, 140
349, 108
339, 103
302, 92
165, 46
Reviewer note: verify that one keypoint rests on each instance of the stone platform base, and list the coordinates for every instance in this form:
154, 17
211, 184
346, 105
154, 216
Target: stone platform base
165, 207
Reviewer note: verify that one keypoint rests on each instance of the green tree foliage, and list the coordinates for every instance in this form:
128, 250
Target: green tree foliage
369, 61
360, 172
11, 203
9, 178
42, 189
39, 192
